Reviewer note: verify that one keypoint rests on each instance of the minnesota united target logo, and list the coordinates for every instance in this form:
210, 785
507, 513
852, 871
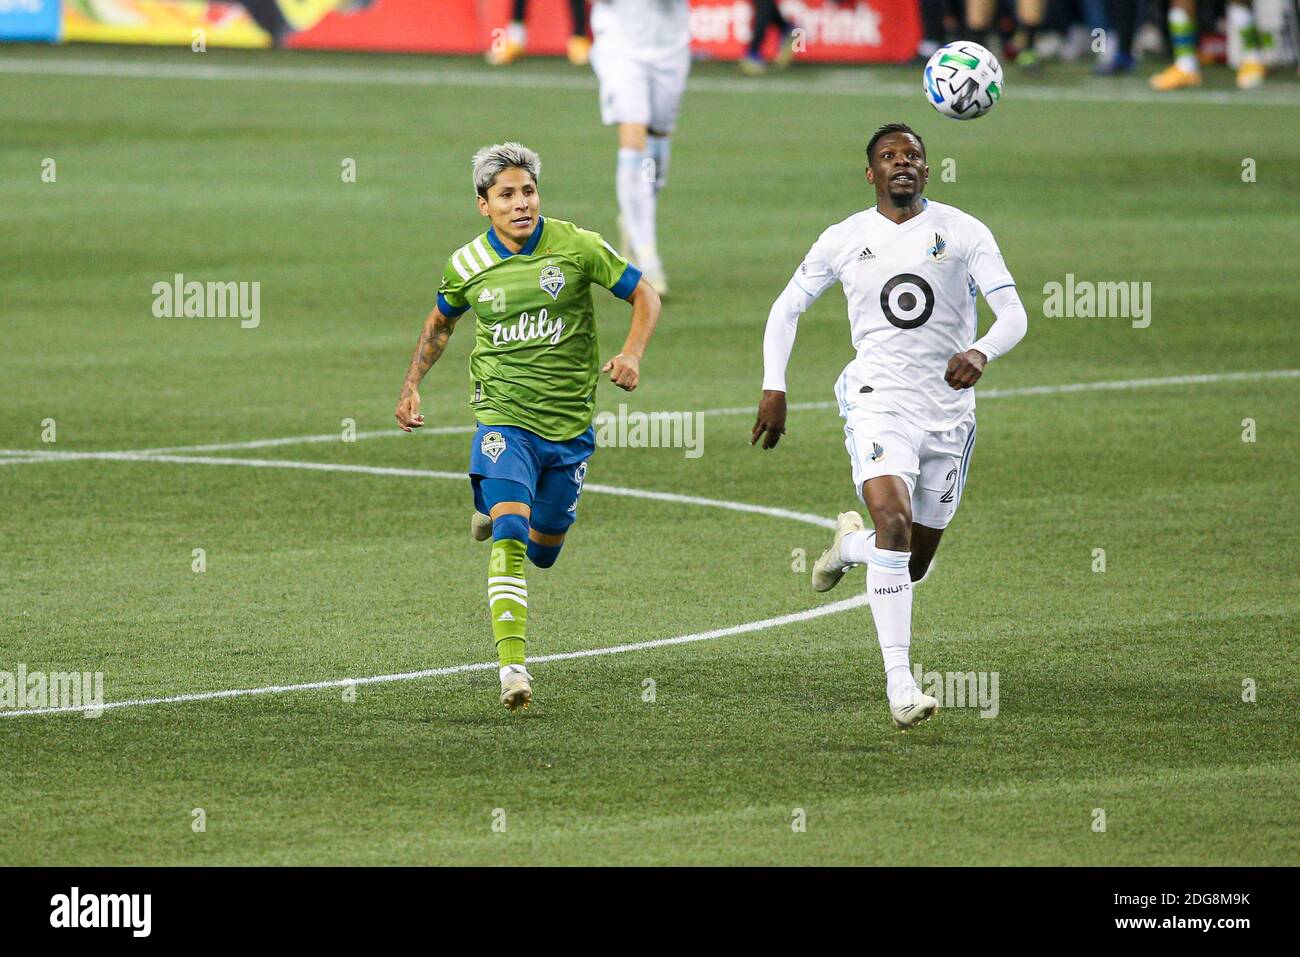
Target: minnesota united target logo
493, 445
939, 251
907, 301
552, 281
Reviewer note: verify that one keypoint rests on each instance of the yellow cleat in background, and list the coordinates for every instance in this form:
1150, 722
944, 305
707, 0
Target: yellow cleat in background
579, 51
1175, 78
1250, 75
508, 52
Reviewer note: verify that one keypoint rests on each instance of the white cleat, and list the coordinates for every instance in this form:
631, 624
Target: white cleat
657, 278
624, 239
480, 527
651, 266
516, 687
912, 712
830, 568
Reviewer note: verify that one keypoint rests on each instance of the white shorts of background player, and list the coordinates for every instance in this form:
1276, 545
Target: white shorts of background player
645, 89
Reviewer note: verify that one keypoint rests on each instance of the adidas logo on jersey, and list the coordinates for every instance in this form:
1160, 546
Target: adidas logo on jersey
866, 254
506, 616
485, 295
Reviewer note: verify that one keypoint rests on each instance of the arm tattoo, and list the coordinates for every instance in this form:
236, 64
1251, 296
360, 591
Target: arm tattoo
433, 341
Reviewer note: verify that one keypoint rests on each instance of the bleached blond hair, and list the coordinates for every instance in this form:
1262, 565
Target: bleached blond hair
491, 161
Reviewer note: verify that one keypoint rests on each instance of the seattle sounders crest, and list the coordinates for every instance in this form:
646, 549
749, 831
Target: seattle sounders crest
552, 280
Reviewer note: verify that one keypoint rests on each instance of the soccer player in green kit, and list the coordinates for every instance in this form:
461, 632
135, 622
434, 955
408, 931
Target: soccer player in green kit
534, 368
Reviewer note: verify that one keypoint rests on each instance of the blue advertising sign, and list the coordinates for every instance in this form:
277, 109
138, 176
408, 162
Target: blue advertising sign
30, 19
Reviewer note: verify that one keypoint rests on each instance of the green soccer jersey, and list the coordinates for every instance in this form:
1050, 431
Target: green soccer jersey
535, 359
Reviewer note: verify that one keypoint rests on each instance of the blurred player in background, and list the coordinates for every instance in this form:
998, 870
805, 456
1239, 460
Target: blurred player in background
534, 367
910, 269
642, 56
767, 15
941, 22
1029, 18
1185, 71
283, 18
514, 43
1122, 17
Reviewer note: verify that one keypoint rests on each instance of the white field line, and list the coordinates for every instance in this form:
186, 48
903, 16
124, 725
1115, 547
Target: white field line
856, 601
858, 82
806, 615
309, 439
818, 520
30, 455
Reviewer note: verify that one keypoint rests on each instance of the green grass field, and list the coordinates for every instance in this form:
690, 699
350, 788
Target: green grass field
1120, 690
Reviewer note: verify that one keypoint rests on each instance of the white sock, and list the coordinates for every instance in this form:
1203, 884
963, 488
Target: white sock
517, 33
900, 685
1240, 20
636, 201
889, 591
660, 151
856, 547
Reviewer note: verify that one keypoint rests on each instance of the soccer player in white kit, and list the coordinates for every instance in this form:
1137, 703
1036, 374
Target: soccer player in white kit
910, 269
642, 55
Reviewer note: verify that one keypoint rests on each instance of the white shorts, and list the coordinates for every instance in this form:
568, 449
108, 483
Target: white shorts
933, 464
640, 90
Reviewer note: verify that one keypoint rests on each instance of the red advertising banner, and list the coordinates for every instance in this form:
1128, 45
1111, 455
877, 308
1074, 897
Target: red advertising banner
834, 32
854, 32
413, 26
848, 31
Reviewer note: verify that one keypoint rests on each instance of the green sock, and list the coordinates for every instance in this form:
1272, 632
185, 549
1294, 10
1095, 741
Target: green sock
1241, 20
508, 599
1182, 33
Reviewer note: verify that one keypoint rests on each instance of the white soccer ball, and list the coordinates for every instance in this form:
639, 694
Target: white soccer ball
963, 80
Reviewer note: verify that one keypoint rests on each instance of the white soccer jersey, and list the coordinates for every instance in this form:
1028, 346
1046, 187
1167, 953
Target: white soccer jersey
911, 292
647, 29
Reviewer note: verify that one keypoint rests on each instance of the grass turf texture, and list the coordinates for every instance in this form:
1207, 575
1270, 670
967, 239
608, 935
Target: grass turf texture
1119, 690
